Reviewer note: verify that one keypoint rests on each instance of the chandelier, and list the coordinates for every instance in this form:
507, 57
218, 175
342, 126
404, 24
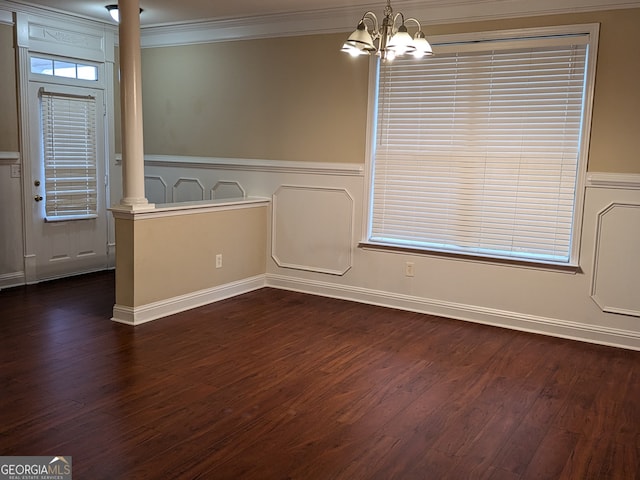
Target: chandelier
389, 40
115, 12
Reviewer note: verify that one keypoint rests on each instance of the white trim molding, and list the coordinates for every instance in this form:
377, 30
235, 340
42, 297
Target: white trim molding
164, 308
253, 165
9, 157
188, 208
259, 26
6, 18
326, 20
344, 19
614, 180
500, 318
67, 36
12, 279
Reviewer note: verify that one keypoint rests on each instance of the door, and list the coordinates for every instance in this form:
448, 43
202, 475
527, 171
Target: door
68, 180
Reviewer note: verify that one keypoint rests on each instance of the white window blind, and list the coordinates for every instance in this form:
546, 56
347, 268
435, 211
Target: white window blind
477, 149
69, 153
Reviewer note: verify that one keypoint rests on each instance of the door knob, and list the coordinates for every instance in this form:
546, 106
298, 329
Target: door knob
37, 198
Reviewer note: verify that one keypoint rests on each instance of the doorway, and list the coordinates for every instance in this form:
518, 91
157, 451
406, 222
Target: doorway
67, 211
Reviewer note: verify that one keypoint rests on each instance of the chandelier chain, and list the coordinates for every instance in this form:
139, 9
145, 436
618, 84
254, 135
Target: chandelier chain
388, 11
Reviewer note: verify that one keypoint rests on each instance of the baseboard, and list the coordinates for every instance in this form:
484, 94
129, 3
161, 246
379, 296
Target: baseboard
499, 318
12, 279
471, 313
164, 308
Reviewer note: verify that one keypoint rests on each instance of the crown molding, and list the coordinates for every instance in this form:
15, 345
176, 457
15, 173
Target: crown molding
334, 20
26, 8
283, 25
344, 19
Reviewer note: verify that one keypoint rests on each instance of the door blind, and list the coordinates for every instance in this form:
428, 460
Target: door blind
477, 151
69, 153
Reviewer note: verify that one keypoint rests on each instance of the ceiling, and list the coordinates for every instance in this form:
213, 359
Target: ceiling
158, 12
342, 13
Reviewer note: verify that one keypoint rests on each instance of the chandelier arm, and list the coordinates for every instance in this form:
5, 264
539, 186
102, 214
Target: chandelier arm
395, 17
372, 17
417, 22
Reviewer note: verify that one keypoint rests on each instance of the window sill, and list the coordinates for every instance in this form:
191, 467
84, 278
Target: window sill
461, 257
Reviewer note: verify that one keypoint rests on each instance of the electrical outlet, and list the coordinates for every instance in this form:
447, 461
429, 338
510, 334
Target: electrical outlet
409, 269
219, 260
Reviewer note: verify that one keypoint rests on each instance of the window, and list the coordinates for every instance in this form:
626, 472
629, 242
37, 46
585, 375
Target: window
63, 68
481, 149
69, 153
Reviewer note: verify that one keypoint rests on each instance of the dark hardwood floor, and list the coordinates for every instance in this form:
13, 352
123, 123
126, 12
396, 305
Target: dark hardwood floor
282, 385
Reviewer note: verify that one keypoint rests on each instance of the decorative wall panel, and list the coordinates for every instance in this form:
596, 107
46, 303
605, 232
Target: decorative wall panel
188, 190
615, 283
227, 189
313, 229
155, 189
69, 37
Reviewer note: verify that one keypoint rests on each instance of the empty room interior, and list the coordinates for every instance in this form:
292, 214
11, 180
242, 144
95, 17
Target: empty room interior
326, 239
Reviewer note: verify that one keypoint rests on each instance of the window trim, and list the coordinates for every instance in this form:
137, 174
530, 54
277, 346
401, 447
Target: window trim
474, 258
99, 83
45, 129
443, 42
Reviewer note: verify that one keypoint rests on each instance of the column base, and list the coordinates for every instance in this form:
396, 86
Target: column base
134, 205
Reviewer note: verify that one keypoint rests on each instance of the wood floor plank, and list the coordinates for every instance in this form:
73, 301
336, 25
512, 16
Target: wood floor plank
275, 384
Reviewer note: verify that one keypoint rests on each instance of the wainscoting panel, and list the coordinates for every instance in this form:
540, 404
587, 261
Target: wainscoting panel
317, 220
155, 189
313, 229
188, 190
227, 189
615, 283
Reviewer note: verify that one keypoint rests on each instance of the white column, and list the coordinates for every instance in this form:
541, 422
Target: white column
131, 107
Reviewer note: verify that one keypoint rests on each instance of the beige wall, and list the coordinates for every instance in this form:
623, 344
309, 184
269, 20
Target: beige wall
300, 99
8, 92
294, 98
161, 258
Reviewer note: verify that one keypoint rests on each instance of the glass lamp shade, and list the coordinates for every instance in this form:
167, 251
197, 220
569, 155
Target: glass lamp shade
353, 50
401, 42
360, 40
423, 47
114, 12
